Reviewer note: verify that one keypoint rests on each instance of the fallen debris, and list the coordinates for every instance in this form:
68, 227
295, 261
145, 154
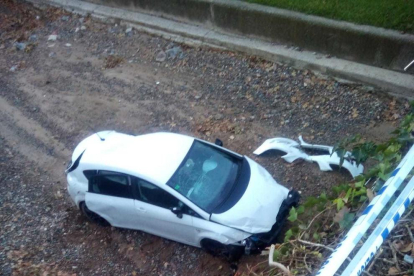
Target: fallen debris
161, 56
128, 31
52, 37
174, 52
20, 46
294, 151
112, 61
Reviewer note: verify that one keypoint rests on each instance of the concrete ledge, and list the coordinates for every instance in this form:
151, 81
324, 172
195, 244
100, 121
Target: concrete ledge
364, 44
398, 84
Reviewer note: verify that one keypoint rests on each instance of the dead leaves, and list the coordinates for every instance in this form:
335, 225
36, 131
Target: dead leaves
393, 271
370, 194
355, 113
404, 247
340, 215
22, 266
112, 61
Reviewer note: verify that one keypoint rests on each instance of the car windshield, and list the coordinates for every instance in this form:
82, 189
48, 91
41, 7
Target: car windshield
206, 176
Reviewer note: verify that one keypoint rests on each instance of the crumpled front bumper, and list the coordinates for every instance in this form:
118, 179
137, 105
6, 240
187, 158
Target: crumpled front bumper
257, 242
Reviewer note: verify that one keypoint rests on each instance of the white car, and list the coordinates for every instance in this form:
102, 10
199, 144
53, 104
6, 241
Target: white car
180, 188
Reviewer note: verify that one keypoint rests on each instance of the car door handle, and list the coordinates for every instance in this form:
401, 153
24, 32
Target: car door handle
141, 209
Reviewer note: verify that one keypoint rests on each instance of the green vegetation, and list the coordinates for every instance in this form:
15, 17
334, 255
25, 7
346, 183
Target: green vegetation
390, 14
330, 215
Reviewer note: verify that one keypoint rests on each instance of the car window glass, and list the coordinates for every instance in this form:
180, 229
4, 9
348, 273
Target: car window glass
206, 176
154, 195
189, 211
89, 173
112, 185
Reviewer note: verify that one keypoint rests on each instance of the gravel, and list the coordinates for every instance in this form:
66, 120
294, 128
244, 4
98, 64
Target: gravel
56, 98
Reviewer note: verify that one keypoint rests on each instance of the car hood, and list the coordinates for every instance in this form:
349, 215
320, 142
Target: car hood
257, 209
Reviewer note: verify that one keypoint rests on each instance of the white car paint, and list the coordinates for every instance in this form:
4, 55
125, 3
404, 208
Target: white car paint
293, 152
256, 211
154, 158
289, 146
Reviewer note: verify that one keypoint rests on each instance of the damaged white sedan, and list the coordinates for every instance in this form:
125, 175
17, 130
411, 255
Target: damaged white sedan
180, 188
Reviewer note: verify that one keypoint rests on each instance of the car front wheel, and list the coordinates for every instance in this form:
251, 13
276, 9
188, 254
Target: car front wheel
92, 216
232, 253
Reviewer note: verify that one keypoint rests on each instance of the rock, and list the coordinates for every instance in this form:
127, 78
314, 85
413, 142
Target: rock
52, 54
174, 52
76, 30
20, 46
33, 38
14, 68
65, 18
161, 56
218, 116
52, 37
83, 28
68, 45
128, 30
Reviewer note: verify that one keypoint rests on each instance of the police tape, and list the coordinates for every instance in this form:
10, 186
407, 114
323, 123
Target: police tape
380, 233
348, 243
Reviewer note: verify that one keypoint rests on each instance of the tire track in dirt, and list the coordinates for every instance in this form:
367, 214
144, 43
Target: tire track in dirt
31, 140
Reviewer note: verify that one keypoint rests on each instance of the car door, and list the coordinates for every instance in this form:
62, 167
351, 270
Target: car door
110, 196
154, 205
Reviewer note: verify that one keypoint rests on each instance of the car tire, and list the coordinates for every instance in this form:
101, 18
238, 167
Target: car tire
232, 253
92, 216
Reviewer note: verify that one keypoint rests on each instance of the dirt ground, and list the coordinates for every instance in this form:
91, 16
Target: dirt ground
99, 76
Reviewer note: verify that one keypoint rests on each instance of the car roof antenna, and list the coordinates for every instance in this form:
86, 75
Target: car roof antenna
102, 139
97, 133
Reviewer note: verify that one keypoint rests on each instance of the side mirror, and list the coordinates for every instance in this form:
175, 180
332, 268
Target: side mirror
218, 142
177, 211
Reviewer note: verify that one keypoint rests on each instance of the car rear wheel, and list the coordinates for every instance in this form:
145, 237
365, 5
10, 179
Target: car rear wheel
92, 216
232, 253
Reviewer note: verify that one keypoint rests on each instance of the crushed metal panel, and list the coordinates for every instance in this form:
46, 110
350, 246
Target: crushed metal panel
293, 152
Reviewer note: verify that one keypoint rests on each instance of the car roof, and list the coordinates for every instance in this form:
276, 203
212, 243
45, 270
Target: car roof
153, 157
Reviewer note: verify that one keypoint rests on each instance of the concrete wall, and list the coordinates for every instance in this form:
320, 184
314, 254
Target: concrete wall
369, 45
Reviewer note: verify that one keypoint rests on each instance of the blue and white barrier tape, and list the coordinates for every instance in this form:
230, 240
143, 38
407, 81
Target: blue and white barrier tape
342, 250
371, 245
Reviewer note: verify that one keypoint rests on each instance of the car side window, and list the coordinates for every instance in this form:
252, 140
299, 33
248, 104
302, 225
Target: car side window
152, 194
112, 184
89, 173
187, 210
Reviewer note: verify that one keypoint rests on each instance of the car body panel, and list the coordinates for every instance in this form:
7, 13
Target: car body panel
209, 230
162, 222
256, 211
147, 156
289, 146
293, 152
118, 211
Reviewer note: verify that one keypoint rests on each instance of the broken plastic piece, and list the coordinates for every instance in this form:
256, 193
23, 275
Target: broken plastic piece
289, 146
293, 152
